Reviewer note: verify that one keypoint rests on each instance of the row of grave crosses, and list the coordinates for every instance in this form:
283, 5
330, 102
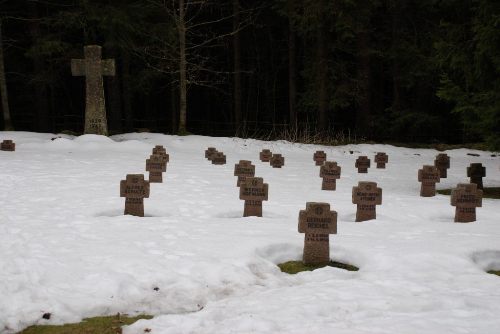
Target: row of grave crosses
362, 162
134, 188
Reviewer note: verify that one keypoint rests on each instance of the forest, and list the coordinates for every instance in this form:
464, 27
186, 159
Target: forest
414, 71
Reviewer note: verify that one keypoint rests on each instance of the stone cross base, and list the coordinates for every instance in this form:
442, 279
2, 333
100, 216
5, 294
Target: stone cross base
329, 184
428, 190
134, 206
478, 181
365, 212
316, 249
381, 165
156, 177
443, 173
252, 208
465, 215
362, 170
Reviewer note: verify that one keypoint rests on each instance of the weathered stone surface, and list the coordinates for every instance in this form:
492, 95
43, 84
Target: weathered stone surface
218, 158
317, 222
442, 163
277, 161
319, 157
466, 197
134, 188
160, 150
362, 164
8, 145
253, 191
429, 176
476, 172
242, 170
93, 68
210, 152
265, 155
330, 172
156, 165
381, 159
367, 196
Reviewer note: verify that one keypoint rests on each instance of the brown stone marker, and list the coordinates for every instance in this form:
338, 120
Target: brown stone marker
218, 158
209, 152
330, 172
476, 172
253, 191
319, 157
367, 196
317, 222
381, 159
265, 155
362, 164
242, 170
429, 176
442, 162
8, 145
156, 165
160, 150
134, 188
277, 161
93, 68
466, 197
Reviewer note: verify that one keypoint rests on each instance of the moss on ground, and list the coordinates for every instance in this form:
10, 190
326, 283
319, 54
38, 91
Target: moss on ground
97, 325
294, 267
494, 272
488, 192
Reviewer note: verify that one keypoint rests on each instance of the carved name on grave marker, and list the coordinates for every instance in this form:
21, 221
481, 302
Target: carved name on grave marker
277, 161
156, 165
429, 176
381, 159
7, 145
476, 172
265, 155
134, 188
466, 197
442, 163
253, 191
319, 157
330, 172
242, 170
362, 164
218, 158
317, 222
367, 196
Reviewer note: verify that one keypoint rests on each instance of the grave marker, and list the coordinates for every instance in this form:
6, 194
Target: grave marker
317, 222
466, 197
367, 196
265, 155
156, 165
209, 152
8, 145
330, 172
319, 157
218, 158
381, 159
134, 188
253, 191
277, 161
160, 150
93, 68
442, 163
242, 170
476, 172
362, 164
429, 176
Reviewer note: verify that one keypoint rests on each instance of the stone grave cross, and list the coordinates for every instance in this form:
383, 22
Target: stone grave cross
466, 197
476, 172
242, 170
265, 155
209, 153
442, 162
317, 222
277, 161
330, 172
381, 159
362, 164
367, 196
134, 188
156, 165
93, 68
253, 191
319, 157
8, 145
429, 176
218, 158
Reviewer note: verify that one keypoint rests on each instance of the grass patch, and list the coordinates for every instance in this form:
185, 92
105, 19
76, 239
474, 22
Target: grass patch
494, 272
97, 325
293, 267
488, 192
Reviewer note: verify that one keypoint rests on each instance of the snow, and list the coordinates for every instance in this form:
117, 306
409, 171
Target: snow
66, 248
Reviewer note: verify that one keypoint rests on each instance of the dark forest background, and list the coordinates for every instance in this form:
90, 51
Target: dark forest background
384, 70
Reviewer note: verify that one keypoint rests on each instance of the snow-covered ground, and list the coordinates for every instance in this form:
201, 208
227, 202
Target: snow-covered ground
199, 267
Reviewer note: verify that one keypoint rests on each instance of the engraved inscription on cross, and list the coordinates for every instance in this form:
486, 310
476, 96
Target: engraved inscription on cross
277, 161
265, 155
8, 145
134, 188
209, 153
156, 165
429, 176
362, 164
442, 162
160, 150
242, 170
381, 159
253, 191
476, 172
330, 172
367, 196
466, 197
93, 68
317, 222
319, 157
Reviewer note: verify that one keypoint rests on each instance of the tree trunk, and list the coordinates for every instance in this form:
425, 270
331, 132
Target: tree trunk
322, 79
182, 69
364, 75
292, 76
237, 66
3, 88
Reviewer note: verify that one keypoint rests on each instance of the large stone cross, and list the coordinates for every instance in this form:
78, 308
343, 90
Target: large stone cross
253, 191
242, 170
317, 222
466, 198
93, 68
429, 176
381, 159
319, 157
362, 164
330, 172
476, 172
134, 188
367, 196
442, 162
156, 165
